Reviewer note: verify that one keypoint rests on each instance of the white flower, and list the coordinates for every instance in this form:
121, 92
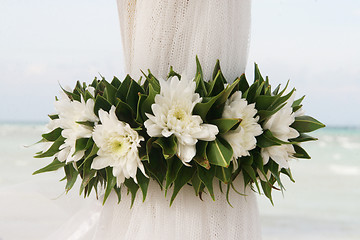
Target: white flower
118, 147
242, 139
173, 115
71, 112
279, 125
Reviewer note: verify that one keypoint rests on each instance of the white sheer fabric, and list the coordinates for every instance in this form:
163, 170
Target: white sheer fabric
157, 34
160, 33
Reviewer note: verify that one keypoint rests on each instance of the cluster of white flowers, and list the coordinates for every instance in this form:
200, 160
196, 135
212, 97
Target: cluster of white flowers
172, 111
242, 139
117, 142
279, 125
118, 147
172, 114
70, 113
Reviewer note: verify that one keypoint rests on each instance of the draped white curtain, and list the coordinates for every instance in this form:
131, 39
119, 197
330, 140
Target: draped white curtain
160, 33
157, 34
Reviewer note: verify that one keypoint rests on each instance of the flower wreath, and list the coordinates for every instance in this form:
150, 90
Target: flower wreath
177, 131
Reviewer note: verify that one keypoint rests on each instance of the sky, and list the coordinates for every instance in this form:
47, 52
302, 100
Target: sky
314, 43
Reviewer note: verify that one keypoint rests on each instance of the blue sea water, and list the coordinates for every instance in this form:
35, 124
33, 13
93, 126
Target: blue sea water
322, 204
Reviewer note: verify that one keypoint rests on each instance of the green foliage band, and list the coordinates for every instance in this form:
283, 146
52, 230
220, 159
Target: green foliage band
253, 131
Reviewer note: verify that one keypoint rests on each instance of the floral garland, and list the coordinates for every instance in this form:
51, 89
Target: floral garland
177, 131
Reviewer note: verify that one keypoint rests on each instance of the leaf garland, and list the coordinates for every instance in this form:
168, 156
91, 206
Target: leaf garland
213, 160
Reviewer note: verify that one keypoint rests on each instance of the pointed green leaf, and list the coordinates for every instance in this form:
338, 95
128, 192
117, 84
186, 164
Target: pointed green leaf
143, 183
53, 135
53, 149
201, 157
300, 152
303, 138
207, 177
174, 165
219, 152
223, 174
116, 82
226, 124
122, 91
196, 183
146, 106
267, 139
132, 97
53, 166
168, 146
184, 176
133, 188
71, 176
101, 103
304, 124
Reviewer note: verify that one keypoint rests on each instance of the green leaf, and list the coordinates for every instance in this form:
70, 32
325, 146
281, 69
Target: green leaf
71, 176
207, 177
110, 183
184, 176
140, 113
157, 164
143, 183
217, 85
264, 114
53, 135
287, 172
300, 152
133, 188
304, 124
201, 157
53, 149
132, 97
257, 74
267, 139
124, 113
303, 138
214, 104
122, 91
172, 73
219, 152
203, 108
54, 116
80, 144
196, 183
109, 92
86, 123
116, 82
168, 146
174, 165
223, 174
118, 193
101, 103
217, 108
225, 124
199, 69
298, 102
146, 106
53, 166
243, 83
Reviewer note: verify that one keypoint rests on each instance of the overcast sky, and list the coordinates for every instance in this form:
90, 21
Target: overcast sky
315, 43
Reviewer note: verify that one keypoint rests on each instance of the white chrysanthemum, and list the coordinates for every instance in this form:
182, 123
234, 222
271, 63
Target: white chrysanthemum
173, 115
279, 125
71, 112
242, 139
118, 147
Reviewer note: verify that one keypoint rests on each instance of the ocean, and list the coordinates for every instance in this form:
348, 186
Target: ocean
322, 204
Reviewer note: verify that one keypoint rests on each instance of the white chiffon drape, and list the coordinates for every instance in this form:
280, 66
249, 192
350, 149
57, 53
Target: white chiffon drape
157, 34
